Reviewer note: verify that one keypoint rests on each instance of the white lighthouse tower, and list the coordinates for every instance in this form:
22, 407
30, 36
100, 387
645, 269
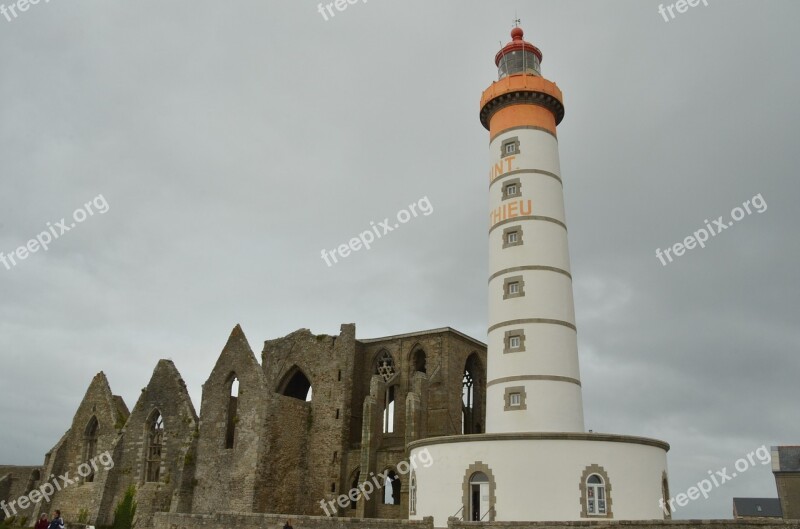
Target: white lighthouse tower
535, 462
532, 344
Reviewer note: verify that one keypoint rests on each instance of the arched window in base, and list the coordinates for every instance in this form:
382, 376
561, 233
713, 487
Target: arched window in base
595, 493
412, 494
478, 494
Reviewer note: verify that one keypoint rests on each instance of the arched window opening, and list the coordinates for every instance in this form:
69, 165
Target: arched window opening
232, 418
596, 493
595, 496
385, 366
354, 485
388, 410
298, 386
412, 497
155, 445
90, 445
479, 495
420, 361
467, 399
472, 395
391, 489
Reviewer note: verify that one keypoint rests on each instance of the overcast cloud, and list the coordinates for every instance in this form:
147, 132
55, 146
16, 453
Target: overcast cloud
233, 141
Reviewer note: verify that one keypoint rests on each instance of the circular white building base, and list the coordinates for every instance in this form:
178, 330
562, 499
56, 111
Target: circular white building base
538, 477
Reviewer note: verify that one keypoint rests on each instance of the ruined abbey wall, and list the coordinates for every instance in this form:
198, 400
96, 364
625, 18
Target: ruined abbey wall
262, 442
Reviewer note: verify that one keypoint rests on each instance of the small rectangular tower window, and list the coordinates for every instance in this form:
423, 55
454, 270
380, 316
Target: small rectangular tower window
513, 287
514, 341
510, 147
512, 236
515, 398
512, 189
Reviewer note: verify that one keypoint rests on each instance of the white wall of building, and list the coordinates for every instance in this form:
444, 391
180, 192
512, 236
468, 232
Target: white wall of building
539, 149
539, 479
539, 415
550, 348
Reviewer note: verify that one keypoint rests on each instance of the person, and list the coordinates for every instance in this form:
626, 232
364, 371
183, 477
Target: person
288, 525
42, 522
57, 522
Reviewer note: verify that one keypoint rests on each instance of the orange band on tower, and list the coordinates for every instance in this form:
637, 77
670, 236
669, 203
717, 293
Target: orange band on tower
521, 116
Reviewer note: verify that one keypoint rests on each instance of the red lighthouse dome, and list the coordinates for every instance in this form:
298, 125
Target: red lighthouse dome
518, 56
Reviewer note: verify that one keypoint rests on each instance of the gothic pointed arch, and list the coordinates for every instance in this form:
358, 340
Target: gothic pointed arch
90, 436
296, 384
385, 366
231, 417
154, 437
473, 391
418, 359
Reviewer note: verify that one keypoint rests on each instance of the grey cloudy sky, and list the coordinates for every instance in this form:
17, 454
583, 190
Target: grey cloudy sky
233, 141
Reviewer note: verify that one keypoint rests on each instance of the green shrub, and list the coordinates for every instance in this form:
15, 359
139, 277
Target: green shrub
23, 521
83, 516
125, 513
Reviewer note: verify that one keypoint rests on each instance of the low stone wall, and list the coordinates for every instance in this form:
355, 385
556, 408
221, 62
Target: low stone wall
276, 521
626, 524
230, 520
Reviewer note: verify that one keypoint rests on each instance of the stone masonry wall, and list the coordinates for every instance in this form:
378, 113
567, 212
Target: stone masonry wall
227, 478
306, 439
437, 392
287, 455
16, 481
79, 494
788, 484
165, 394
276, 521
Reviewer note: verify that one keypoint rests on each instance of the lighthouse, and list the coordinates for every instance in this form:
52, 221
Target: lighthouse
532, 341
535, 461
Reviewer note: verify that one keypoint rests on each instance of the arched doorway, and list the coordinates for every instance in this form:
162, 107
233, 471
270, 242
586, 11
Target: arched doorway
478, 496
